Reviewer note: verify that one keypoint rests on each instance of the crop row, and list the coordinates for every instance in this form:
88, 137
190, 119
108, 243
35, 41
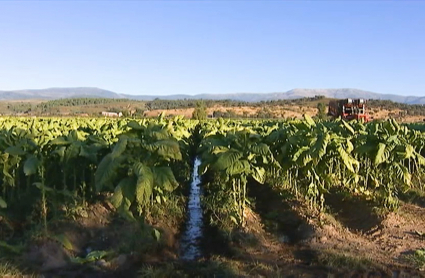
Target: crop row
140, 165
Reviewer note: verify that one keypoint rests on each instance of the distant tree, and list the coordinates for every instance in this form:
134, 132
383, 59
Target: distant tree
265, 113
321, 110
200, 112
231, 114
217, 114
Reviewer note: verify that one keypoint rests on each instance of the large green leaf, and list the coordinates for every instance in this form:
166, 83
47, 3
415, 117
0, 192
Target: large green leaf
107, 170
349, 146
366, 148
31, 165
259, 174
409, 151
161, 134
348, 127
381, 154
238, 167
60, 151
71, 152
167, 149
144, 184
92, 257
3, 203
164, 178
402, 173
219, 149
309, 122
89, 152
135, 125
299, 152
226, 159
60, 141
123, 196
320, 145
119, 147
261, 149
15, 150
348, 160
64, 240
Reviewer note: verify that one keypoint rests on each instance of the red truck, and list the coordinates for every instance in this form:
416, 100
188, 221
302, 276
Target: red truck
349, 109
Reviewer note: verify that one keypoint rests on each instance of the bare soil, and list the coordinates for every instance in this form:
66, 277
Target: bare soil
349, 241
250, 111
126, 245
282, 238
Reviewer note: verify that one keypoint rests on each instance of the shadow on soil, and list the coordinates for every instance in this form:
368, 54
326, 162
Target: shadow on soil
355, 213
215, 243
98, 245
279, 217
413, 196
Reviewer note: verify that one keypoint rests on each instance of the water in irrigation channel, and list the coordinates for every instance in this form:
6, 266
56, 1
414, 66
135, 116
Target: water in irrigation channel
189, 244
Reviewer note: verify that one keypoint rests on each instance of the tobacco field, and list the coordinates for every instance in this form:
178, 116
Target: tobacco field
54, 171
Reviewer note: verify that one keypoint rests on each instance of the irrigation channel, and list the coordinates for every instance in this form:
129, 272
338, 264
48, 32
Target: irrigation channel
190, 242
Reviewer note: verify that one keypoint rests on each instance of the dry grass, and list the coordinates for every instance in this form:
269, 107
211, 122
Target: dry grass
290, 111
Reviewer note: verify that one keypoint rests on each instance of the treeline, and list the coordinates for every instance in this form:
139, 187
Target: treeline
158, 104
409, 109
305, 101
82, 101
19, 107
191, 103
80, 105
52, 106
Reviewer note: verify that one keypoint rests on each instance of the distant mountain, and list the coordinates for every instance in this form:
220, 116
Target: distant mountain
56, 93
292, 94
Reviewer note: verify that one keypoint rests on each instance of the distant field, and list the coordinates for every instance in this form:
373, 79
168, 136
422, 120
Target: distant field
226, 109
282, 112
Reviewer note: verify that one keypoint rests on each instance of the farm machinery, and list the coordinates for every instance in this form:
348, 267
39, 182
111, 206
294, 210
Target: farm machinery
349, 109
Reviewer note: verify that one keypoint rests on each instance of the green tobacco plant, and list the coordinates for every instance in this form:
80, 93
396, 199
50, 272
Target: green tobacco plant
237, 156
57, 161
31, 151
315, 157
140, 165
389, 159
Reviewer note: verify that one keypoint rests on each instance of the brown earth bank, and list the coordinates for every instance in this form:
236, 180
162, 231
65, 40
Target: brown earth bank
350, 240
96, 242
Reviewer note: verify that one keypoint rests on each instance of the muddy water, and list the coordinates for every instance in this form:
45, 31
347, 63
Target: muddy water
190, 242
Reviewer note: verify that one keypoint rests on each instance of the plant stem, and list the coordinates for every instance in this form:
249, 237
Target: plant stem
43, 199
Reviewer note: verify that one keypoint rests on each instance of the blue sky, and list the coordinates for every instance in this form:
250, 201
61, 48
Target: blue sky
191, 47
